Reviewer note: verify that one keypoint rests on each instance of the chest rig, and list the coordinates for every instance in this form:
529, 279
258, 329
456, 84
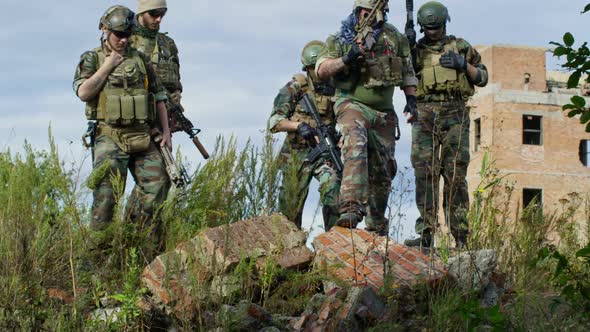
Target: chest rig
323, 98
382, 68
164, 58
438, 83
124, 101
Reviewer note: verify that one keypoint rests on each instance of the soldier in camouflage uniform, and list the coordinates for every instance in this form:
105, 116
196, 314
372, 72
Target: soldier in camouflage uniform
160, 48
125, 98
288, 116
365, 79
448, 68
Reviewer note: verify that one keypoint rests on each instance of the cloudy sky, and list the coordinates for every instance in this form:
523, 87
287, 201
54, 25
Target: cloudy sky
235, 55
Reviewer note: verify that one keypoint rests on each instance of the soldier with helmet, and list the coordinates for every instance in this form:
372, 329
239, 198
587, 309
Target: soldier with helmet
127, 102
448, 69
288, 116
159, 47
365, 74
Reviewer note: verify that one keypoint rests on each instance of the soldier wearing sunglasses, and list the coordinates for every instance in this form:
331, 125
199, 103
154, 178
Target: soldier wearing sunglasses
159, 46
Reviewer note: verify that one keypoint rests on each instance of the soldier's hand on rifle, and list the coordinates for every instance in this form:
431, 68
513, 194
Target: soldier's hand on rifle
113, 60
176, 96
411, 109
454, 61
307, 132
354, 56
166, 140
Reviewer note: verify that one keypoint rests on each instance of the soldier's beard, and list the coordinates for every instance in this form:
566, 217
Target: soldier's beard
435, 35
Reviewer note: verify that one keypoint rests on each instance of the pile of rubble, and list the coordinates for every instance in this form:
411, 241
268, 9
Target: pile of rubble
358, 265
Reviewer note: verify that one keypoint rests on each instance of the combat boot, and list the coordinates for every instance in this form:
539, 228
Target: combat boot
349, 220
424, 241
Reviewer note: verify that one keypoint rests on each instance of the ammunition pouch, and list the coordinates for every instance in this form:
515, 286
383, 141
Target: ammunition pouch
125, 100
382, 71
438, 80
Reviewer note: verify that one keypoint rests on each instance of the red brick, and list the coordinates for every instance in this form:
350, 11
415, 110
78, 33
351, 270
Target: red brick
409, 267
365, 236
324, 241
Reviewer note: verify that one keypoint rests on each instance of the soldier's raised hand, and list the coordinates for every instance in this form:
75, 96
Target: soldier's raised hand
113, 60
354, 56
454, 61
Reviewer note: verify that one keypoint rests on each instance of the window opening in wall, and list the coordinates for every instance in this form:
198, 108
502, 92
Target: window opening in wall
477, 134
585, 152
532, 132
530, 195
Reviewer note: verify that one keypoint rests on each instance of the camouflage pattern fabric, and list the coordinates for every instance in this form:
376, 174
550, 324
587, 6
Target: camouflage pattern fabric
151, 184
297, 176
440, 147
368, 143
88, 65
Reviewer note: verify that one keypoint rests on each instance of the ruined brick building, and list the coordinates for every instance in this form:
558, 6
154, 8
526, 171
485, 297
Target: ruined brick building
518, 120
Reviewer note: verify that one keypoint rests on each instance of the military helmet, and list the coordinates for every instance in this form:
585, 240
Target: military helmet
433, 14
118, 18
367, 4
310, 52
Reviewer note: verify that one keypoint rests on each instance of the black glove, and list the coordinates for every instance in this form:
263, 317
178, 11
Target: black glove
411, 108
306, 131
353, 56
454, 61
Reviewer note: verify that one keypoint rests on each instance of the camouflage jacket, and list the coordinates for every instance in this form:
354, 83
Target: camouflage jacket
164, 55
287, 107
391, 45
88, 65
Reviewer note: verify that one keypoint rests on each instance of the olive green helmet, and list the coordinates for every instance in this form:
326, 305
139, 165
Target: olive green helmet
367, 4
433, 14
118, 18
311, 52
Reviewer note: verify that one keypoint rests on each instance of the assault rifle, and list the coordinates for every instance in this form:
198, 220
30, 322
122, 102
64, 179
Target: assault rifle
326, 145
410, 32
365, 29
176, 171
177, 112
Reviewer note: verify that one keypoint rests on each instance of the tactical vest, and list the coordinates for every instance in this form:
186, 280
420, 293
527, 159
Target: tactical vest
160, 52
124, 101
381, 71
438, 83
324, 105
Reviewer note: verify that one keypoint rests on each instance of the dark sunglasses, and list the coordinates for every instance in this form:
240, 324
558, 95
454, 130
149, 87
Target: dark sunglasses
155, 13
432, 28
122, 34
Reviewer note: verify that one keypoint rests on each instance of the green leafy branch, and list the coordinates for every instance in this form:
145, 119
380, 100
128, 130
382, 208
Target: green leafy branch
572, 277
578, 62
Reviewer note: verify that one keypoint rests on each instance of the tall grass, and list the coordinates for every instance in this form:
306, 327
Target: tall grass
44, 244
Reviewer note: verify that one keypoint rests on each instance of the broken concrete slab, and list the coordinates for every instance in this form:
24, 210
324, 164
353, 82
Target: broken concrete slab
359, 257
473, 269
180, 279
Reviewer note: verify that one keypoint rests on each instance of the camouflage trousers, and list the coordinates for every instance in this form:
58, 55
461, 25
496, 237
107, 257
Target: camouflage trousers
150, 191
297, 175
368, 144
440, 147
